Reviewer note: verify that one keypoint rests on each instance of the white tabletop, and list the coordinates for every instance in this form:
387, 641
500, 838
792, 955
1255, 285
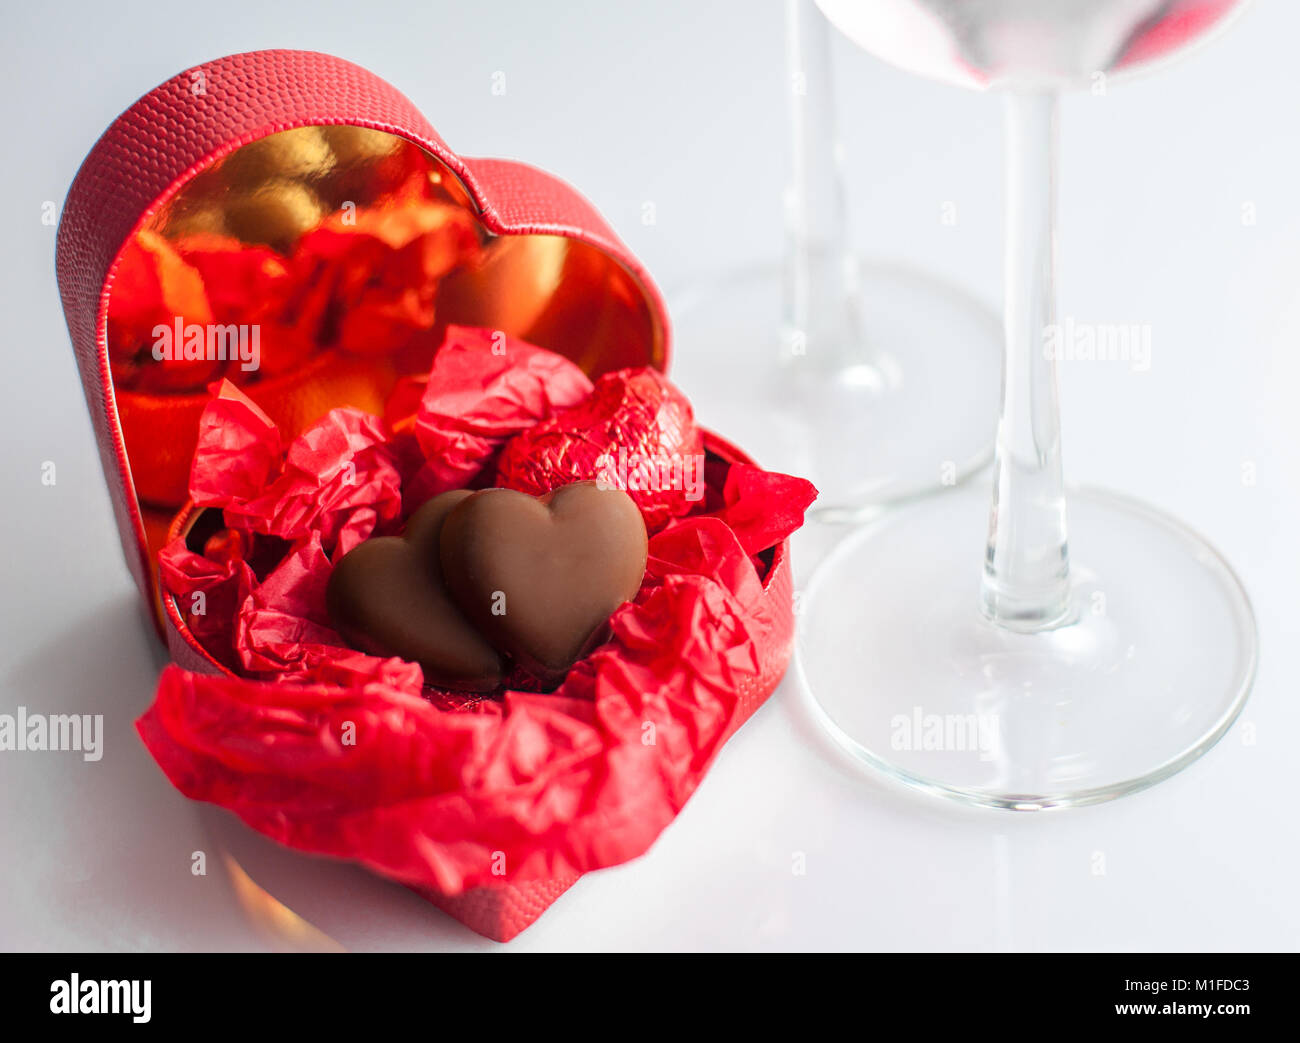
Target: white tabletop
682, 106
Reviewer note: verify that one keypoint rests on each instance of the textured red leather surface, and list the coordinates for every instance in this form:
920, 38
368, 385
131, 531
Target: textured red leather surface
201, 115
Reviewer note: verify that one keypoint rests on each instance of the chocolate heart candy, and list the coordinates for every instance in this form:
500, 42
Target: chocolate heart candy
541, 576
387, 597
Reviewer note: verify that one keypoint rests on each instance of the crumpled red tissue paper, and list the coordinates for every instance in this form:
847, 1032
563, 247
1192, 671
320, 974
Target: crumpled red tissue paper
332, 751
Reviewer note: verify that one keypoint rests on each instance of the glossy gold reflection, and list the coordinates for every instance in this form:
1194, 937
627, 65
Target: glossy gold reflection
560, 294
556, 292
271, 191
284, 928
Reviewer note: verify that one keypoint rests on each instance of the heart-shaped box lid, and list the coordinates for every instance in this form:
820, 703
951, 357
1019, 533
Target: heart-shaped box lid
546, 267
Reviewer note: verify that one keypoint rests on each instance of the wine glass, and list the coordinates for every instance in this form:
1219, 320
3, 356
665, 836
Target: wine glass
1057, 672
823, 355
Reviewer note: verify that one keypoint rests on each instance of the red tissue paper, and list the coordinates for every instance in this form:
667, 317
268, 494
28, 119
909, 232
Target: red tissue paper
332, 751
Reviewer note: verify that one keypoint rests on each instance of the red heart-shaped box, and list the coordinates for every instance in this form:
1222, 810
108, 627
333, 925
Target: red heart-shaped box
554, 274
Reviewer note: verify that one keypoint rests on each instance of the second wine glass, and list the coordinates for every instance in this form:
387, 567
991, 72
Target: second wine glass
875, 381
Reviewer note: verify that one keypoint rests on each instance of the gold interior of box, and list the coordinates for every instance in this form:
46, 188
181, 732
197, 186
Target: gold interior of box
268, 195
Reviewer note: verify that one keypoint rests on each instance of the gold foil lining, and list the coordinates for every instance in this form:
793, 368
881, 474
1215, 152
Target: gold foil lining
554, 291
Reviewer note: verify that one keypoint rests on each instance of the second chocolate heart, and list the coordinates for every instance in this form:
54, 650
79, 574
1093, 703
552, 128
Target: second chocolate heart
386, 596
540, 576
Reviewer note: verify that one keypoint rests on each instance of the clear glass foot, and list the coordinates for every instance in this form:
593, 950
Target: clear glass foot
911, 678
910, 409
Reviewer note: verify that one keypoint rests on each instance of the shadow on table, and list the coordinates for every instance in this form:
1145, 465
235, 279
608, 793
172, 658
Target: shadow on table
107, 848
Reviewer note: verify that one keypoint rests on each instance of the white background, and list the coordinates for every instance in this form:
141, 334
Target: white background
682, 104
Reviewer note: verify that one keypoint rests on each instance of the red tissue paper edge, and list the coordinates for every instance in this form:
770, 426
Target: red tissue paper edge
338, 753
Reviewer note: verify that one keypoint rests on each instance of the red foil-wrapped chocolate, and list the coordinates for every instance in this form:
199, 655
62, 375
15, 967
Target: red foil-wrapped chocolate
635, 431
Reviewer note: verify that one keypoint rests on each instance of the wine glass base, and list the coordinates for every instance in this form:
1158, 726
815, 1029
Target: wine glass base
910, 678
916, 412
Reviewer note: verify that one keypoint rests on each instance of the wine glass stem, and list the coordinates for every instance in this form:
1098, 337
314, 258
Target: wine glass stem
820, 306
1026, 581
